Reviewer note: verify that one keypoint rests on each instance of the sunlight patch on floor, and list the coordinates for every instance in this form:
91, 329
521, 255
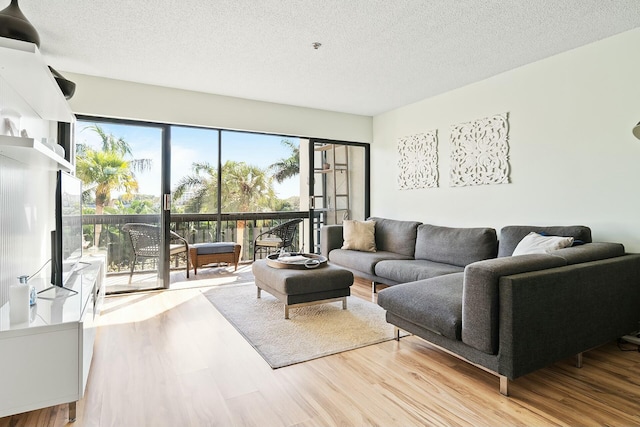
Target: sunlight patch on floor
141, 306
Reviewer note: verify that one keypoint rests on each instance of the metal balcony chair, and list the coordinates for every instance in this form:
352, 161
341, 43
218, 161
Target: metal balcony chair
145, 239
279, 237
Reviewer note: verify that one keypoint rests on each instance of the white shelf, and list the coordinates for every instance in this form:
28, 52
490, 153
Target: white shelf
32, 152
25, 71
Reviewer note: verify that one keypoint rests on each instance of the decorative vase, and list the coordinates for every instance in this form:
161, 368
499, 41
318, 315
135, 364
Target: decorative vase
14, 25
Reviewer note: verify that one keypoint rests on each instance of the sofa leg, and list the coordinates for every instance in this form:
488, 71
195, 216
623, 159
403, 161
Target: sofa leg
72, 411
373, 287
504, 385
579, 360
396, 333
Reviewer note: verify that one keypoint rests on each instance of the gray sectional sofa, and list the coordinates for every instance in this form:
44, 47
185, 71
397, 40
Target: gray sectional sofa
463, 291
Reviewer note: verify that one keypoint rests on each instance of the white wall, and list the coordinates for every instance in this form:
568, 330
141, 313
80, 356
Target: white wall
120, 99
27, 202
573, 157
27, 208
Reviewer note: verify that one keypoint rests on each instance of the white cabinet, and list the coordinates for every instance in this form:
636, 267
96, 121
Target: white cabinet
46, 361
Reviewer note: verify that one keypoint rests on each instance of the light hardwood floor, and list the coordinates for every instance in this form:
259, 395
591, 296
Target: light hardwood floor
170, 359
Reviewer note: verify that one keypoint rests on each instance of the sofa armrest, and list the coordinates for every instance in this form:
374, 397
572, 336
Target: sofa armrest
330, 238
546, 316
480, 295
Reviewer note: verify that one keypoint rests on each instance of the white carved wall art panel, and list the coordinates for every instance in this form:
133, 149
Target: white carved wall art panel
418, 161
480, 152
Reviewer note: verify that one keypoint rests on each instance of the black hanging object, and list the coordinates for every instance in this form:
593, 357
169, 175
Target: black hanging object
14, 25
67, 87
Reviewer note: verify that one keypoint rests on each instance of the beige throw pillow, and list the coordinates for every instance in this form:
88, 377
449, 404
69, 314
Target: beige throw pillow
534, 243
359, 235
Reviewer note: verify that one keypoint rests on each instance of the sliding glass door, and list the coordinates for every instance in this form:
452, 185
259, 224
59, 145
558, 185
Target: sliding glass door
338, 176
123, 167
231, 186
183, 185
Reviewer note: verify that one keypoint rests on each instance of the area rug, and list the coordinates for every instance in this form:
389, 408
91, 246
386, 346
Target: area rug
311, 332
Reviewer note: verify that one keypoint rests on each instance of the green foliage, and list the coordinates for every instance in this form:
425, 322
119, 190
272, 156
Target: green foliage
134, 207
103, 172
106, 170
290, 204
289, 167
245, 188
201, 187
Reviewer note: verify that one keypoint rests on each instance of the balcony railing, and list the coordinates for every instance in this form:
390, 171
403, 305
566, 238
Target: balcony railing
196, 228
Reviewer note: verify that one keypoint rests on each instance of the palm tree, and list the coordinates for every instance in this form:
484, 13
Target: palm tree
289, 167
104, 171
107, 170
245, 188
202, 184
119, 145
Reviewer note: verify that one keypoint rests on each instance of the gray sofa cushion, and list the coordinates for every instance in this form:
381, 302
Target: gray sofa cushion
480, 295
456, 246
396, 236
434, 304
330, 238
511, 235
361, 261
213, 248
412, 270
589, 252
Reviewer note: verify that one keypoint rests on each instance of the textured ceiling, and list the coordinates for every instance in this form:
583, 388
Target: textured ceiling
376, 55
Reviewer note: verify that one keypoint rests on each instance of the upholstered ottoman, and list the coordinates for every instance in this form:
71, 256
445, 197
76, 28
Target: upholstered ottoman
297, 288
207, 253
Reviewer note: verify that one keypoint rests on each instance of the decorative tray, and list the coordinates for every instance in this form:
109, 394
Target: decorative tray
298, 261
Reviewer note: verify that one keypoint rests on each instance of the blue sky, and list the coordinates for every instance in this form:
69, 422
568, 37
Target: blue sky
190, 145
